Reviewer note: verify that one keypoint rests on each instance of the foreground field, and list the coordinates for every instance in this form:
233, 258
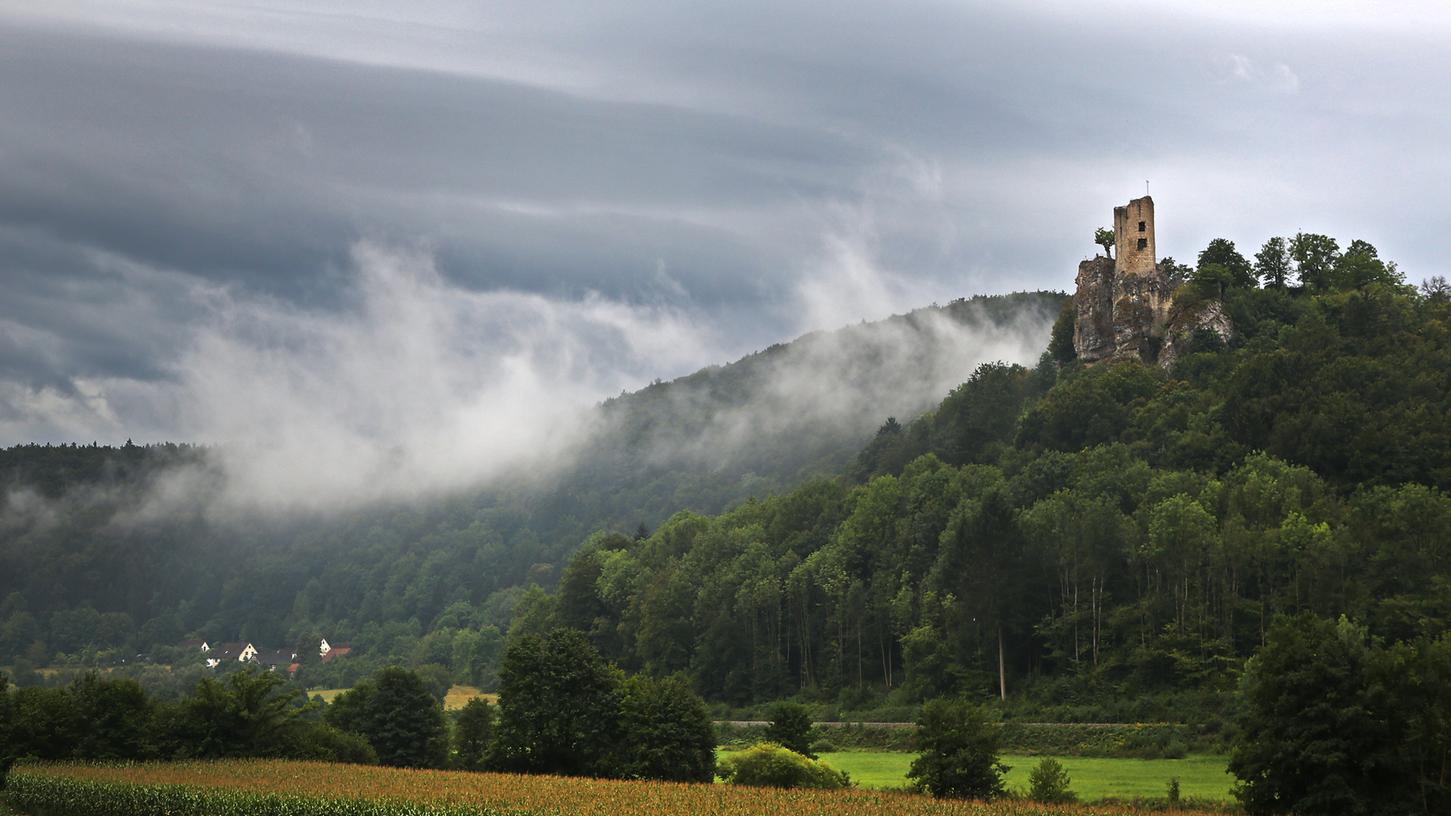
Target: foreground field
1200, 777
242, 787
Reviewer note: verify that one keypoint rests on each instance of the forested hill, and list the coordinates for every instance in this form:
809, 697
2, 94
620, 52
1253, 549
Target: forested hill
1107, 541
90, 573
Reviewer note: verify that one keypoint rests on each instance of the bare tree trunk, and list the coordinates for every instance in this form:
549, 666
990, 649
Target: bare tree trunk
1002, 669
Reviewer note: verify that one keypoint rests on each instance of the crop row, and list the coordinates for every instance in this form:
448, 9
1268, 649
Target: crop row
248, 787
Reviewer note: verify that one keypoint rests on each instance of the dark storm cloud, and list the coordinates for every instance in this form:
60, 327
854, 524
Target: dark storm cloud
723, 175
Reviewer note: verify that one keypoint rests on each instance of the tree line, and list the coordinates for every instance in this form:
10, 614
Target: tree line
562, 710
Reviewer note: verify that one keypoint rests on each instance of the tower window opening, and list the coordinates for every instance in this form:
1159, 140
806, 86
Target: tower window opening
1143, 226
1143, 243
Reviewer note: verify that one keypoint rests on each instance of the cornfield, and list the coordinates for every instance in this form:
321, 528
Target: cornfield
249, 787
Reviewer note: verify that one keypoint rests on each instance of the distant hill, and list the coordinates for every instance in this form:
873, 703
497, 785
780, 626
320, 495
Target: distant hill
86, 569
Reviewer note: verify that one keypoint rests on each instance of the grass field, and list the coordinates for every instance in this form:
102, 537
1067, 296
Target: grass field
454, 700
1200, 777
323, 789
459, 695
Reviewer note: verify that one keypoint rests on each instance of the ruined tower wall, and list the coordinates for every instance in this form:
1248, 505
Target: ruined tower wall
1133, 236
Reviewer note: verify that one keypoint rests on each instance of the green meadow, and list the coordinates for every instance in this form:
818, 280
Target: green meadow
1093, 778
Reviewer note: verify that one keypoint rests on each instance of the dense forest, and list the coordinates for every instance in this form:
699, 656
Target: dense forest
91, 575
1108, 542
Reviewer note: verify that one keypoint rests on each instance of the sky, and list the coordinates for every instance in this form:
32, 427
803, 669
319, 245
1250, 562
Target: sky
222, 221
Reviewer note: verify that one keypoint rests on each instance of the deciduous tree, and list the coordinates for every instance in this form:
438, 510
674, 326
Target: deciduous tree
960, 748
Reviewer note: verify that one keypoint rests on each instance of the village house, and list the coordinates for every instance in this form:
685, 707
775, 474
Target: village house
246, 652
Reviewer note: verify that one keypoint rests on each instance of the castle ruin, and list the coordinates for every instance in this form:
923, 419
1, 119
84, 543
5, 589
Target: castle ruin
1133, 237
1124, 306
1123, 302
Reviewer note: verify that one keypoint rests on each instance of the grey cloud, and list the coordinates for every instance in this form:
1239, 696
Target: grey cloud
760, 169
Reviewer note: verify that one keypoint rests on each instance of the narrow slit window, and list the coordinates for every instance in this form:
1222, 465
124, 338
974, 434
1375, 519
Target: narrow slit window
1143, 226
1143, 243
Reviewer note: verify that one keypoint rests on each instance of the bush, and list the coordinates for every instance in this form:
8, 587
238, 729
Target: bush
822, 746
791, 728
769, 765
1155, 743
1048, 783
321, 742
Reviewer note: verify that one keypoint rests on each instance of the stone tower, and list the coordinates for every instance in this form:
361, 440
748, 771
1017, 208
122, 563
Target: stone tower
1123, 303
1133, 237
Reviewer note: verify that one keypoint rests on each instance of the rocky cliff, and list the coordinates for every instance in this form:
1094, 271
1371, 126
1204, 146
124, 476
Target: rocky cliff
1122, 315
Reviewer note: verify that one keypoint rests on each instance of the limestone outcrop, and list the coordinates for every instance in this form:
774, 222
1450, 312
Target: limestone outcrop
1121, 316
1093, 335
1190, 325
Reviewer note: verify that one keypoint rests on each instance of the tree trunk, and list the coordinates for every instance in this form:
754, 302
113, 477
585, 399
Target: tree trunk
1002, 670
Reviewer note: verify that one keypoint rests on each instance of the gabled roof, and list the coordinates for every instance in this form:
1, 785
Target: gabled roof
336, 651
276, 657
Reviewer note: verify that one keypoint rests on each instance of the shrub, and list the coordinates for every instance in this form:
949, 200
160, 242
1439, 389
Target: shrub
1155, 743
1048, 783
319, 741
769, 765
822, 746
791, 728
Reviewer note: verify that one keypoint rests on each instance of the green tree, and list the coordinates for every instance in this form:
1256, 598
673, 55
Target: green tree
1103, 236
473, 733
406, 721
1221, 251
1360, 266
7, 721
248, 713
1049, 783
1272, 262
559, 707
960, 749
667, 732
1060, 342
399, 717
117, 718
1426, 705
1315, 257
1213, 279
790, 728
1316, 732
44, 724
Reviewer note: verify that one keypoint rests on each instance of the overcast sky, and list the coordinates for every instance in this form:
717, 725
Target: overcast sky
195, 196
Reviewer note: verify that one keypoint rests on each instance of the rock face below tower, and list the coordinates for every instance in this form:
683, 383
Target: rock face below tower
1122, 305
1093, 334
